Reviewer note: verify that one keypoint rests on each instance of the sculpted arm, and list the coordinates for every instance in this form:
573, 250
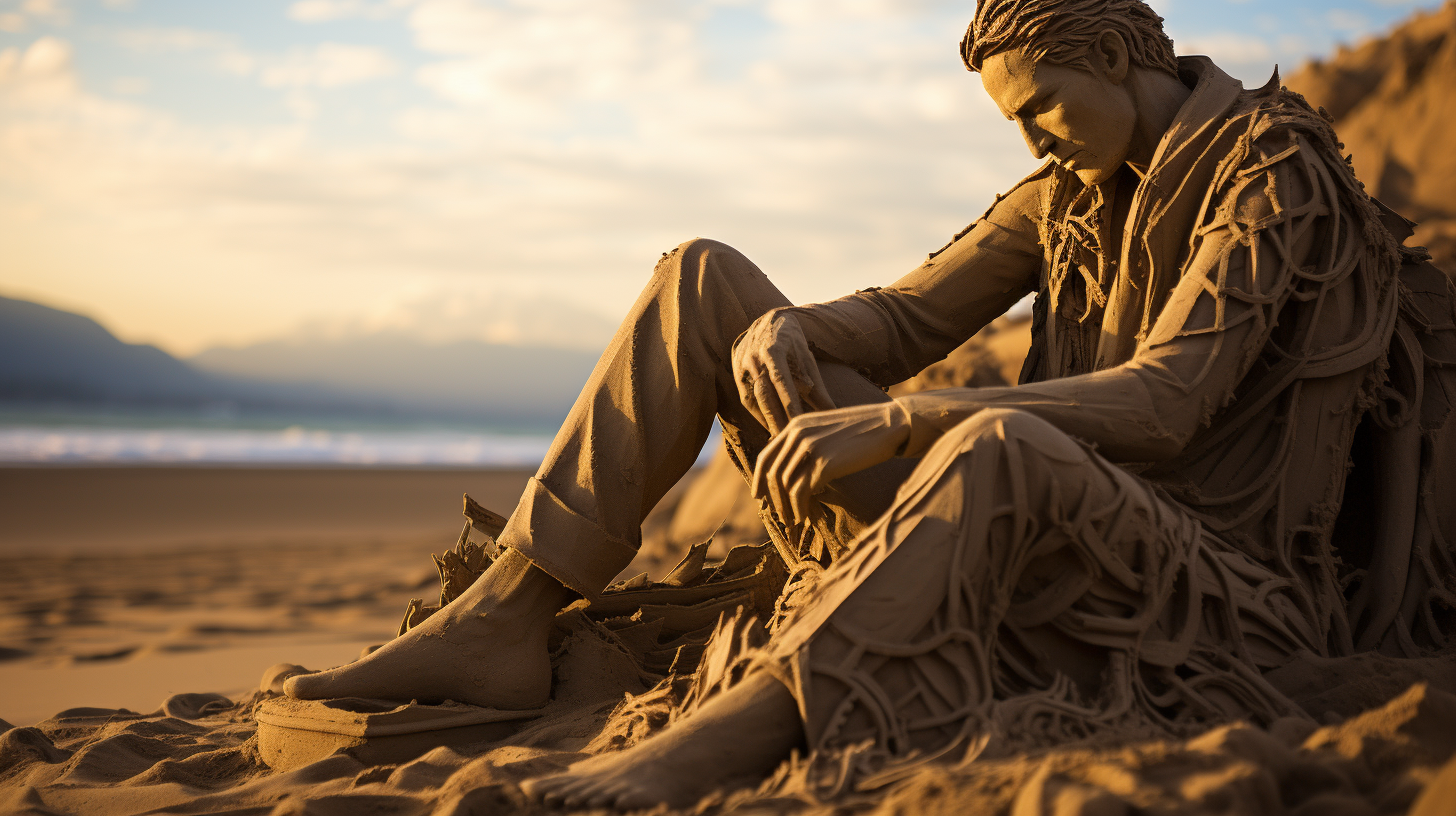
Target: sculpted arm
1204, 343
1207, 339
890, 334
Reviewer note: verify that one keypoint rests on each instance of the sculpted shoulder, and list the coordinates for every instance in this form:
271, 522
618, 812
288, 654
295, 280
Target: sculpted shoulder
1018, 209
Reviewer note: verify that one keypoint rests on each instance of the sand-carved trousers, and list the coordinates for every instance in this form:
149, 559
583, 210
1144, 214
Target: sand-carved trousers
646, 411
1021, 576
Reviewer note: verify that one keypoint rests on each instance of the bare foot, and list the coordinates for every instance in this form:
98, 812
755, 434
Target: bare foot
487, 648
738, 737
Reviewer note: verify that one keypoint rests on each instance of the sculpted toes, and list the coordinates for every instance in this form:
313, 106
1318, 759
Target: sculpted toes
550, 790
303, 686
600, 798
608, 795
635, 798
570, 794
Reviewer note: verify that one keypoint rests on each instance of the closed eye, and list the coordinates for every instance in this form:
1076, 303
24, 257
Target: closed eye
1031, 108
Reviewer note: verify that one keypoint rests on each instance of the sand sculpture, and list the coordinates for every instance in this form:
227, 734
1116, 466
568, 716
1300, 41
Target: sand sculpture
1224, 483
1230, 446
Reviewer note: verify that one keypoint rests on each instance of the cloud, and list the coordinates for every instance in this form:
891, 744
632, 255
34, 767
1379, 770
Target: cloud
1347, 22
25, 13
1227, 47
326, 65
564, 51
493, 315
554, 151
321, 11
222, 50
42, 72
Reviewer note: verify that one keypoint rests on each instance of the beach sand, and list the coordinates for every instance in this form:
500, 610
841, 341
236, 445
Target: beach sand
129, 595
122, 586
134, 509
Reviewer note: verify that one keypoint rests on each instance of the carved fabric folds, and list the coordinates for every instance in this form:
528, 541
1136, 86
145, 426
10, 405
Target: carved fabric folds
1187, 577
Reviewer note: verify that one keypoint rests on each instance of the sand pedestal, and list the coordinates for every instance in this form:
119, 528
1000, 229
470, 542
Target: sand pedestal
293, 733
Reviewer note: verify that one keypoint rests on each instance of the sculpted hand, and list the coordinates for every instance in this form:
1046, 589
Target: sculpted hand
778, 377
817, 448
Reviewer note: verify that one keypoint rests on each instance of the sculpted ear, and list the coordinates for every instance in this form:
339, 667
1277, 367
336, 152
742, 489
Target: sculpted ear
1110, 55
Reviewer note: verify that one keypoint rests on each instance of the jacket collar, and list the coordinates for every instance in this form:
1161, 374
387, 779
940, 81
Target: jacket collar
1169, 198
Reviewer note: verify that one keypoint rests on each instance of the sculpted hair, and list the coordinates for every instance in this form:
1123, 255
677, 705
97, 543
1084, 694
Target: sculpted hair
1064, 32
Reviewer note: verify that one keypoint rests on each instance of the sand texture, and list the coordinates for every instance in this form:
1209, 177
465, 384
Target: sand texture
188, 749
1403, 77
200, 754
128, 509
120, 586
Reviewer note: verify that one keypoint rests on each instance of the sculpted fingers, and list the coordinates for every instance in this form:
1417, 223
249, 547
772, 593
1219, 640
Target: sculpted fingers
763, 489
780, 373
766, 474
799, 480
811, 384
777, 470
776, 374
759, 487
749, 370
747, 388
769, 411
790, 472
803, 383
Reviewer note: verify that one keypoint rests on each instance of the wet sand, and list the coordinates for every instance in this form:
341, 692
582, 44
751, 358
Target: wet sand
131, 509
121, 586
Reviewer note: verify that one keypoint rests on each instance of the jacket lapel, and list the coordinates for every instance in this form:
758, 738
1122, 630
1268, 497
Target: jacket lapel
1160, 225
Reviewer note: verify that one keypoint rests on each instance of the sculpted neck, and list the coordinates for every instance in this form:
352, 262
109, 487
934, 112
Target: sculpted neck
1158, 97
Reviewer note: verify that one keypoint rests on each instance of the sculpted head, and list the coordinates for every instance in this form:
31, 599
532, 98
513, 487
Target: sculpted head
1067, 72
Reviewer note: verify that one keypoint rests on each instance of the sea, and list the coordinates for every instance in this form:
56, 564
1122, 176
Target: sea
99, 437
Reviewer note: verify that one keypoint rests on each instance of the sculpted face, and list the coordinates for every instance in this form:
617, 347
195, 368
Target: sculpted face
1083, 119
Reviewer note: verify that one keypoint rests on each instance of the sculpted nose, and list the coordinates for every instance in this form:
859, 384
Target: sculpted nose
1038, 141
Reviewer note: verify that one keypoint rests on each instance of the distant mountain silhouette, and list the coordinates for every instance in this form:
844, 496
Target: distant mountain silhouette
48, 354
52, 356
515, 384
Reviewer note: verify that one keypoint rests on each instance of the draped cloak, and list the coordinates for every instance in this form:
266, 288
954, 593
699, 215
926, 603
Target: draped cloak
1362, 519
1332, 462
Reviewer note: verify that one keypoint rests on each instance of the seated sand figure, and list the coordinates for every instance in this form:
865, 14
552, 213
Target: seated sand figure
1163, 509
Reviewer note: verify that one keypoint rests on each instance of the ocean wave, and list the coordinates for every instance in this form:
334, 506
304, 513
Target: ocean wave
294, 445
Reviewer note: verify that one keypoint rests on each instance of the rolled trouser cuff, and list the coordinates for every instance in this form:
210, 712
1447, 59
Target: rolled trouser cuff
566, 545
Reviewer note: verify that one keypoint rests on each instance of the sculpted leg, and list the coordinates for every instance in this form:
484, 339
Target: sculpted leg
689, 760
634, 431
1015, 563
737, 737
487, 648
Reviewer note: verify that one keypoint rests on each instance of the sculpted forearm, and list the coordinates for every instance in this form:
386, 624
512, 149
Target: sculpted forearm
890, 334
1114, 410
1148, 409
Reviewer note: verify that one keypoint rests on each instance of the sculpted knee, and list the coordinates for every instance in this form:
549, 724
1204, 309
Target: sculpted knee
688, 264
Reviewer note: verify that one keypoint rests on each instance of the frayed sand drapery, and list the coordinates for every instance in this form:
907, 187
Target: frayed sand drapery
1024, 587
1240, 316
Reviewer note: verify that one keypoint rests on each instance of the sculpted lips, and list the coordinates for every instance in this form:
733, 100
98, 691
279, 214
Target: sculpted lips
1067, 162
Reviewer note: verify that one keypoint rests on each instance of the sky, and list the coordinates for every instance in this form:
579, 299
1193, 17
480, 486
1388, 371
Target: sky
196, 173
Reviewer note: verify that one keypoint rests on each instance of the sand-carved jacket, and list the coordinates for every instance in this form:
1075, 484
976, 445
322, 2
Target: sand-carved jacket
1242, 327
